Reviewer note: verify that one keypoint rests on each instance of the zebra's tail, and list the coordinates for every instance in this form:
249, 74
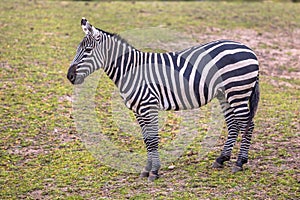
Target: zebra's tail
253, 102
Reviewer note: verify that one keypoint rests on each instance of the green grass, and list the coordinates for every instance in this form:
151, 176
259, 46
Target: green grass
41, 153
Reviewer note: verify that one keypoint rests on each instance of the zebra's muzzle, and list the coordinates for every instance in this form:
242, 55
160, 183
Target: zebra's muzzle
72, 75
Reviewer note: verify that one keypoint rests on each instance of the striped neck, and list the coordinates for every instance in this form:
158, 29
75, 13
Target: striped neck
120, 57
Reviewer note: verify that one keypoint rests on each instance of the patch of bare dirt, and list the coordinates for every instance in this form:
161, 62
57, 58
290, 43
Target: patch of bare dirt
41, 144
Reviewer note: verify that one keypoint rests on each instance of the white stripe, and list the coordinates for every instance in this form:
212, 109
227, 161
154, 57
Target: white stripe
156, 73
122, 65
112, 47
115, 62
127, 75
166, 78
238, 104
149, 76
174, 82
239, 96
241, 87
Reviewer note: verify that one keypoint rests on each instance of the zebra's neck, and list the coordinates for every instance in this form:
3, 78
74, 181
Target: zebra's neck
121, 58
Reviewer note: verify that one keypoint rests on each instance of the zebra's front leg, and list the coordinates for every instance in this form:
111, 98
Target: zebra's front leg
149, 125
146, 171
154, 171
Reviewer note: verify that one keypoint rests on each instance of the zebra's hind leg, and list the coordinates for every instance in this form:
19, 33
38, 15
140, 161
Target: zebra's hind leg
244, 149
148, 122
242, 116
233, 131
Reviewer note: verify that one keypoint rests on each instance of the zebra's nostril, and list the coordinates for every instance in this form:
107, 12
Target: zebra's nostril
72, 73
71, 76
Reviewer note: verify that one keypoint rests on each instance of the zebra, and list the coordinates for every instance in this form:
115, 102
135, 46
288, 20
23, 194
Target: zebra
187, 79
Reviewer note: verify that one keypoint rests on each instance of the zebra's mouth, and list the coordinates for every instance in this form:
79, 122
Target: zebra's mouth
78, 81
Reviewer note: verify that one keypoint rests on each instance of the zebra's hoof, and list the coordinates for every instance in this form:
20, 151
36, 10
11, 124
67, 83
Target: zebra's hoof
144, 174
153, 176
217, 165
237, 169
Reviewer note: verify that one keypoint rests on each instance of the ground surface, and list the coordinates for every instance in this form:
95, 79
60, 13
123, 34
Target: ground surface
42, 155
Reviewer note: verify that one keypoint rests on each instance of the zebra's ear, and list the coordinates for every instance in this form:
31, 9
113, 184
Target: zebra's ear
88, 28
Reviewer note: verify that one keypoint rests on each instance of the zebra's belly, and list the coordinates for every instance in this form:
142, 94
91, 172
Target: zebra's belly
180, 98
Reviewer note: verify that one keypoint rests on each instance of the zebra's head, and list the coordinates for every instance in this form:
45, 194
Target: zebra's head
86, 61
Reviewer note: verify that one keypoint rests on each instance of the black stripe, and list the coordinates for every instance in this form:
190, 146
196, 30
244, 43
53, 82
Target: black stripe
240, 83
240, 71
234, 58
239, 92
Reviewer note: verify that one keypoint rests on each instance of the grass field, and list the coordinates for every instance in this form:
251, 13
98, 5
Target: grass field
41, 153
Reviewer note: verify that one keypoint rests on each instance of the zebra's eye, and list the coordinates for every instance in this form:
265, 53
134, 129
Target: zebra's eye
88, 49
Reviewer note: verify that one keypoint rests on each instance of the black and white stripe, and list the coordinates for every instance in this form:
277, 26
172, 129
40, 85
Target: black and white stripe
187, 79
